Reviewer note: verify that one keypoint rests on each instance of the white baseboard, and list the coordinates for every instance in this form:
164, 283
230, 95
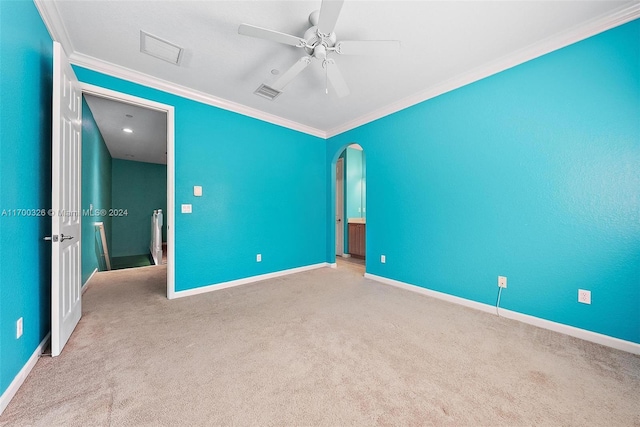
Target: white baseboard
332, 264
583, 334
246, 280
435, 294
22, 375
346, 255
86, 284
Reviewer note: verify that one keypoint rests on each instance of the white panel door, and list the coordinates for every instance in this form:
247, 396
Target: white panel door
339, 208
66, 307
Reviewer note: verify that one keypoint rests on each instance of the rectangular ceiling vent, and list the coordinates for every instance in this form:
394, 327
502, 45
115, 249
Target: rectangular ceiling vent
161, 49
267, 92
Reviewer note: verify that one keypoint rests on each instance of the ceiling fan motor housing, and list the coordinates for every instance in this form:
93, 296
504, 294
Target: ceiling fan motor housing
315, 38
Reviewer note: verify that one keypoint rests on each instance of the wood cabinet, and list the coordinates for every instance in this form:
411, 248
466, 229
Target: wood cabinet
357, 240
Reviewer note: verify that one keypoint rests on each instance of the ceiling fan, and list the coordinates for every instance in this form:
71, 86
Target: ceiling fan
319, 42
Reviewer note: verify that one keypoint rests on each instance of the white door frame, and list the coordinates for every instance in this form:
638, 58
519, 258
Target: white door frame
170, 217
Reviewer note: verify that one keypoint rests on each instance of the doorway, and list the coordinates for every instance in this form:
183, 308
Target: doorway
140, 180
350, 206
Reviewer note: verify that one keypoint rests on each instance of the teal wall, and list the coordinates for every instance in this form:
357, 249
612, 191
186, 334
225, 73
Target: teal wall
140, 188
96, 191
264, 191
25, 183
354, 183
532, 173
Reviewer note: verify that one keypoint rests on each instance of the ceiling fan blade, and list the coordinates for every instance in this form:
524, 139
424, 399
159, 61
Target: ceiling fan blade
291, 73
335, 77
329, 12
368, 47
271, 35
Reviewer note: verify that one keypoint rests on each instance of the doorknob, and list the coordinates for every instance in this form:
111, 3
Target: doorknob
54, 238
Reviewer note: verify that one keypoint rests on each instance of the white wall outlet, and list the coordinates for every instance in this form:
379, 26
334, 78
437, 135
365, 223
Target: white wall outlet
502, 281
19, 328
584, 296
197, 190
383, 259
186, 208
259, 258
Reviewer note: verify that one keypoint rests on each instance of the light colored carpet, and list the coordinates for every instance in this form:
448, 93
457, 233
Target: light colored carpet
324, 347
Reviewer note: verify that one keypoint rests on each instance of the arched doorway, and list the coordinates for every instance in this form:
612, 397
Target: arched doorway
350, 206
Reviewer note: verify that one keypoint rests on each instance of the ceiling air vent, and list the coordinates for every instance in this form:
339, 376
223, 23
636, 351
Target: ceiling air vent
162, 49
267, 92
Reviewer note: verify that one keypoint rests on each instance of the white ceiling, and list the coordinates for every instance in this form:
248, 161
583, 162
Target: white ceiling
444, 45
148, 141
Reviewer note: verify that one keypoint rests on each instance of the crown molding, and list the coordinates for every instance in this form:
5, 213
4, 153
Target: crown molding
185, 92
598, 25
52, 20
51, 17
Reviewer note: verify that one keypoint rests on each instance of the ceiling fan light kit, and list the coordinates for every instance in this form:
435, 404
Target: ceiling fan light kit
318, 42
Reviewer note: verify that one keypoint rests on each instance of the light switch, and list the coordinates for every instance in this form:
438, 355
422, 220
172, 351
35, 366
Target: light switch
197, 190
186, 208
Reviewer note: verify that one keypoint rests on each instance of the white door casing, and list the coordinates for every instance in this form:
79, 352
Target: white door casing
66, 155
339, 208
169, 110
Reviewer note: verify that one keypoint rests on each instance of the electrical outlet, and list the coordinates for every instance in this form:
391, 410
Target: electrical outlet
19, 328
259, 258
584, 296
502, 281
383, 259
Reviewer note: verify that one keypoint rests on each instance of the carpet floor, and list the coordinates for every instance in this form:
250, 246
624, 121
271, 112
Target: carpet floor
325, 347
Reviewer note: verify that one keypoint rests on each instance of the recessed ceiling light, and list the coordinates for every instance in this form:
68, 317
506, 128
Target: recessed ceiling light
275, 72
128, 115
127, 130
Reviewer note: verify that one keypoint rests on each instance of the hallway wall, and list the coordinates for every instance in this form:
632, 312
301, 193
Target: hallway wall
139, 188
96, 193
